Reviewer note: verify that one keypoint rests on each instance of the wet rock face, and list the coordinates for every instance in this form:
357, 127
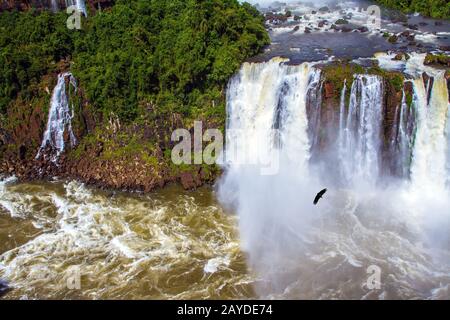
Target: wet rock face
190, 181
393, 39
341, 22
24, 5
275, 18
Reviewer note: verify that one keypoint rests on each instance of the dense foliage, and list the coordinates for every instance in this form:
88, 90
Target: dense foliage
174, 54
430, 8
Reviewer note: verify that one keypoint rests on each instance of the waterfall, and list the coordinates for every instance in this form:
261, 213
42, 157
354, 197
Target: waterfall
404, 137
360, 132
431, 153
59, 118
448, 147
266, 111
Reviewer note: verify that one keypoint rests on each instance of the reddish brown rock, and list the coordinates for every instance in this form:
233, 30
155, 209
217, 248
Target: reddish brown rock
329, 90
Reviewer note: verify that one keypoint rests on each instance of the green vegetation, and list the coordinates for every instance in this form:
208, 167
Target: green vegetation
177, 55
432, 8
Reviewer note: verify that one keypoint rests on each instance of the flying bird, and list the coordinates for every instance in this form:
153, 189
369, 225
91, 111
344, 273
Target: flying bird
319, 196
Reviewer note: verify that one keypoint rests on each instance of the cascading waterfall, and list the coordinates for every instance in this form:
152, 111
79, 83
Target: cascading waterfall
361, 136
265, 101
276, 107
448, 147
79, 4
429, 193
313, 104
403, 139
55, 7
59, 118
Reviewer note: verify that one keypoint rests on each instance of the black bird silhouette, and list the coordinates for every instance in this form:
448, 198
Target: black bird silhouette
319, 196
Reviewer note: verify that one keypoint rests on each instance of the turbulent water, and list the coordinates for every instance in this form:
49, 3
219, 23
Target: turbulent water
369, 221
168, 245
